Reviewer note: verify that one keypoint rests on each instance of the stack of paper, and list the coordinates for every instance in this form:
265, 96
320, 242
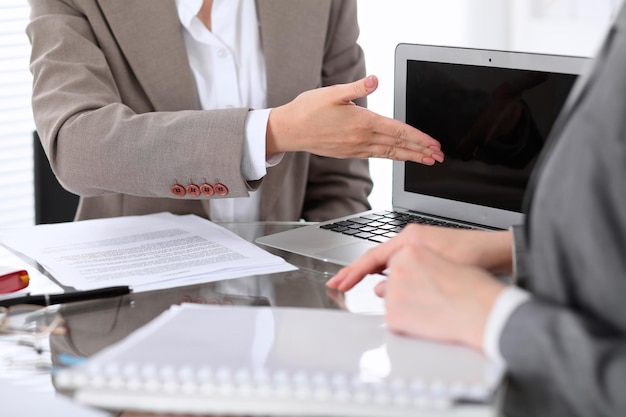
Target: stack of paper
145, 252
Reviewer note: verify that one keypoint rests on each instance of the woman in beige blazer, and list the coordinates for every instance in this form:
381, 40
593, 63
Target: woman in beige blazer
117, 110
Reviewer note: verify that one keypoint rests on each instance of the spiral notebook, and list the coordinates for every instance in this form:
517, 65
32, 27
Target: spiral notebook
241, 360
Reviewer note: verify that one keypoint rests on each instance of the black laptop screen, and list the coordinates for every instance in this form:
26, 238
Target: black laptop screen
492, 124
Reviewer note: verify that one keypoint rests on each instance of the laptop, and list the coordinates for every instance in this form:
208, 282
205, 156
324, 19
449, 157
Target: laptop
491, 110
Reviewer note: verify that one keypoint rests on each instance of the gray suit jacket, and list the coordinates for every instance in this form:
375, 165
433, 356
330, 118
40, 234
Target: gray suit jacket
117, 110
566, 350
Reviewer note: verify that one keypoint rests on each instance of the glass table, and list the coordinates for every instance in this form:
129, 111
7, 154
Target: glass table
93, 325
90, 326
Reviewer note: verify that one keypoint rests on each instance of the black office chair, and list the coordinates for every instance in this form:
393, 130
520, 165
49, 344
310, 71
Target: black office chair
53, 203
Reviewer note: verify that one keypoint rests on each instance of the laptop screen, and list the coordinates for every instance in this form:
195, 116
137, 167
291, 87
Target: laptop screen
492, 111
491, 122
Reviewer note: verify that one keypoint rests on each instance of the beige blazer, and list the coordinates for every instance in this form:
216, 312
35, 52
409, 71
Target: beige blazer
116, 107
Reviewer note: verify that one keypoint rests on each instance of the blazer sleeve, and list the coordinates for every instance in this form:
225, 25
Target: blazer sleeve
581, 361
97, 141
339, 187
566, 348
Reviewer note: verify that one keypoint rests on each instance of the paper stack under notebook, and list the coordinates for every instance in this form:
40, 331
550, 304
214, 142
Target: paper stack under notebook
279, 361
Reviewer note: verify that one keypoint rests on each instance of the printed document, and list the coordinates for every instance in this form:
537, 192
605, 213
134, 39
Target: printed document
147, 252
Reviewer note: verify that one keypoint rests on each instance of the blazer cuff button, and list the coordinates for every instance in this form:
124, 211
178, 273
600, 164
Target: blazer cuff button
220, 189
178, 190
207, 189
193, 190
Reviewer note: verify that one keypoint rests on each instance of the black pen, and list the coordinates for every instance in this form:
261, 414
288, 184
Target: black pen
69, 297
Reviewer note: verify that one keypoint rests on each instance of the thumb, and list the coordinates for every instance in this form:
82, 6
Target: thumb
357, 89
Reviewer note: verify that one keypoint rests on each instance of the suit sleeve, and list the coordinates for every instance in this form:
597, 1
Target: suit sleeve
96, 140
575, 359
339, 187
566, 348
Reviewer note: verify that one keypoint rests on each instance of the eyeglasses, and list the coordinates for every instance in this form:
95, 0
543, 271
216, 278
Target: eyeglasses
31, 324
30, 320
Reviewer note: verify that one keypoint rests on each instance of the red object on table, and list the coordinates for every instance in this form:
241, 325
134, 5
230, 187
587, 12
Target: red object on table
13, 281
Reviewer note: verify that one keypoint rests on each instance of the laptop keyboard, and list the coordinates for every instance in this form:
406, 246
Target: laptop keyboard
380, 227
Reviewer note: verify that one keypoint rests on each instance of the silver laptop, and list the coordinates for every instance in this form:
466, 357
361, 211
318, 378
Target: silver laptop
492, 111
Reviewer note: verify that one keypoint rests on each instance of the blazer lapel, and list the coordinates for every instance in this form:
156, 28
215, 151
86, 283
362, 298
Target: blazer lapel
293, 50
150, 36
292, 45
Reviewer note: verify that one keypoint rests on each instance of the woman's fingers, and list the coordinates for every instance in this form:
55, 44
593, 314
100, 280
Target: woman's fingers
325, 122
358, 89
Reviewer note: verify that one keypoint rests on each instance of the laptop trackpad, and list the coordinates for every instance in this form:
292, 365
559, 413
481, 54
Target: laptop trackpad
344, 255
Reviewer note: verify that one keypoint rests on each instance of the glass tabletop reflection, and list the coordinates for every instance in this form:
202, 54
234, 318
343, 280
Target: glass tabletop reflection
94, 325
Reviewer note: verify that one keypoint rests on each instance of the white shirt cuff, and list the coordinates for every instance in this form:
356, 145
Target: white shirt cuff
253, 162
508, 301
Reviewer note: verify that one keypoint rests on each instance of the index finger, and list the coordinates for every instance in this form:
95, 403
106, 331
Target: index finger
405, 135
373, 261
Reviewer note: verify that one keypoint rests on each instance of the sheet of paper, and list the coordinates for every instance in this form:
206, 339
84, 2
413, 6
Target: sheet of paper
147, 252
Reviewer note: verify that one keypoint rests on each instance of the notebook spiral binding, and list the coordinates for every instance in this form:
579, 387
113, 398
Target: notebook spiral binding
259, 384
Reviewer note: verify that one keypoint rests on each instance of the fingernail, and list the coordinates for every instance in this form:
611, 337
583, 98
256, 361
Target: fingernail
333, 280
428, 160
369, 82
437, 157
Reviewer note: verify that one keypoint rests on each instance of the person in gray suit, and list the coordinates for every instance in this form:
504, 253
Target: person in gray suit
210, 107
561, 332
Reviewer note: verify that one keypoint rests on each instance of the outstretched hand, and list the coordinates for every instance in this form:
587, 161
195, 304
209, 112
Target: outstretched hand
326, 122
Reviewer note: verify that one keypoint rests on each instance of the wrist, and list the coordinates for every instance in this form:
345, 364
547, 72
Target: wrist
487, 297
277, 131
499, 259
